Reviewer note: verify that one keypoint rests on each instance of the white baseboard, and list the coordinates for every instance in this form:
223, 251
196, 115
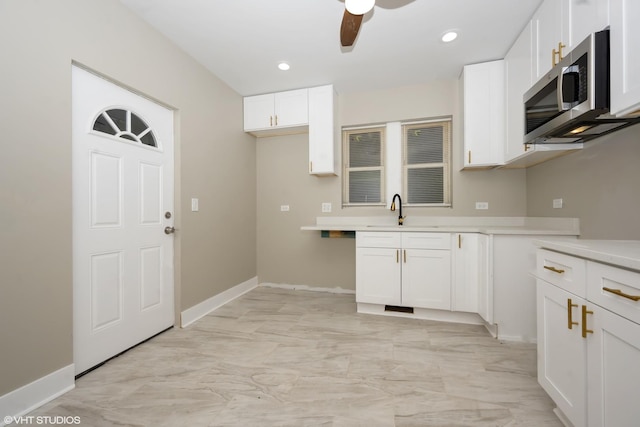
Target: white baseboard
517, 338
307, 288
33, 395
200, 310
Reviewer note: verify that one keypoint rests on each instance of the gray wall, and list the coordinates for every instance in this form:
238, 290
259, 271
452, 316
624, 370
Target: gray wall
288, 255
215, 161
599, 184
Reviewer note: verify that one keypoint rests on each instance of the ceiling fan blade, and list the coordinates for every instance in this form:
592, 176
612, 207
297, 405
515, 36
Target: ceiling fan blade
349, 28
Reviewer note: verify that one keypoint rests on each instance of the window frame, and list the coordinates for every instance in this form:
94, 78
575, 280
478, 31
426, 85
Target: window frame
346, 132
446, 124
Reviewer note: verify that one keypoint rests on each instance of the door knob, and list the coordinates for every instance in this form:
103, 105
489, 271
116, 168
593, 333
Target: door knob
169, 230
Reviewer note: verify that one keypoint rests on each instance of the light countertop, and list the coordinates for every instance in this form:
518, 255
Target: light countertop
484, 225
622, 253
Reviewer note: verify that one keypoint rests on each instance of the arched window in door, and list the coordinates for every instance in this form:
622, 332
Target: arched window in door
124, 124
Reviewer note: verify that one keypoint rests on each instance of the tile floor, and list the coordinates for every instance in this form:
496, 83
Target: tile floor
276, 357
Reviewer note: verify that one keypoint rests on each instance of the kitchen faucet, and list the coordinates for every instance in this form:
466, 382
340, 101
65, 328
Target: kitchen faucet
393, 208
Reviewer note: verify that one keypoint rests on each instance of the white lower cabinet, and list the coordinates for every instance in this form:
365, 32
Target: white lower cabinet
404, 269
426, 278
562, 352
469, 284
589, 354
378, 279
613, 368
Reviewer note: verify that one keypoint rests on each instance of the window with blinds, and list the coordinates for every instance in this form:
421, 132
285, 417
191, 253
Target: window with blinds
363, 161
426, 163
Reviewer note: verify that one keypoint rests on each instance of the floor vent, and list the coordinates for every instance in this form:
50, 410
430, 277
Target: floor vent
398, 309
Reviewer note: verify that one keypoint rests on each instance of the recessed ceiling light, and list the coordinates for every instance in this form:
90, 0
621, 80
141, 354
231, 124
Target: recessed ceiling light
283, 66
449, 36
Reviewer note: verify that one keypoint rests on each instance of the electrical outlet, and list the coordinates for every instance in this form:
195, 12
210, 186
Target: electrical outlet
326, 207
558, 203
482, 205
284, 208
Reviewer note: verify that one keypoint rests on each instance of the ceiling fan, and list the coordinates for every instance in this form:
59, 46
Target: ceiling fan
354, 10
352, 18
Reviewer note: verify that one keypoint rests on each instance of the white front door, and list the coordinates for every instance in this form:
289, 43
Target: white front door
122, 148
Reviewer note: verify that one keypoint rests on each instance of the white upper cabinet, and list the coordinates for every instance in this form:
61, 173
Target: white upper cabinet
555, 28
625, 57
323, 131
298, 111
585, 17
517, 66
276, 110
550, 37
483, 116
559, 25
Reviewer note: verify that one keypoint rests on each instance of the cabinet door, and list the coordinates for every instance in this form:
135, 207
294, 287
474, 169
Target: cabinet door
378, 276
547, 33
614, 370
466, 272
485, 284
562, 352
426, 278
291, 108
322, 131
585, 17
483, 114
518, 66
258, 112
625, 57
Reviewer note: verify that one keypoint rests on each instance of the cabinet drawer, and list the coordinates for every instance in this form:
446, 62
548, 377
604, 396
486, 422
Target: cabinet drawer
564, 271
615, 289
421, 240
378, 239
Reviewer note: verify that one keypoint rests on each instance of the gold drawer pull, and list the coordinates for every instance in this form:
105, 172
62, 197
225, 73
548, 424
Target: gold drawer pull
555, 270
585, 331
622, 294
570, 321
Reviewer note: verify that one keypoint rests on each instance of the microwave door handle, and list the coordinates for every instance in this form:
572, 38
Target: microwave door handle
559, 89
562, 104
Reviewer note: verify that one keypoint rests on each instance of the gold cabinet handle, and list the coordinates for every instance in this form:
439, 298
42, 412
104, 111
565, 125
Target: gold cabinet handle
585, 331
459, 241
622, 294
469, 157
558, 53
570, 321
276, 120
270, 120
310, 166
397, 256
555, 270
405, 255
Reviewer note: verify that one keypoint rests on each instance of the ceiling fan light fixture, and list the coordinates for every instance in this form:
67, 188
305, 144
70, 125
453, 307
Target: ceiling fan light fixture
449, 36
359, 7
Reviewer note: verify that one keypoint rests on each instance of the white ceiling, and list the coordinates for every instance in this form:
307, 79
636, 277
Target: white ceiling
242, 41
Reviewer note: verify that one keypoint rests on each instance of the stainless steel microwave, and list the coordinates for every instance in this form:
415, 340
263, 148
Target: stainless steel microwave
571, 102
